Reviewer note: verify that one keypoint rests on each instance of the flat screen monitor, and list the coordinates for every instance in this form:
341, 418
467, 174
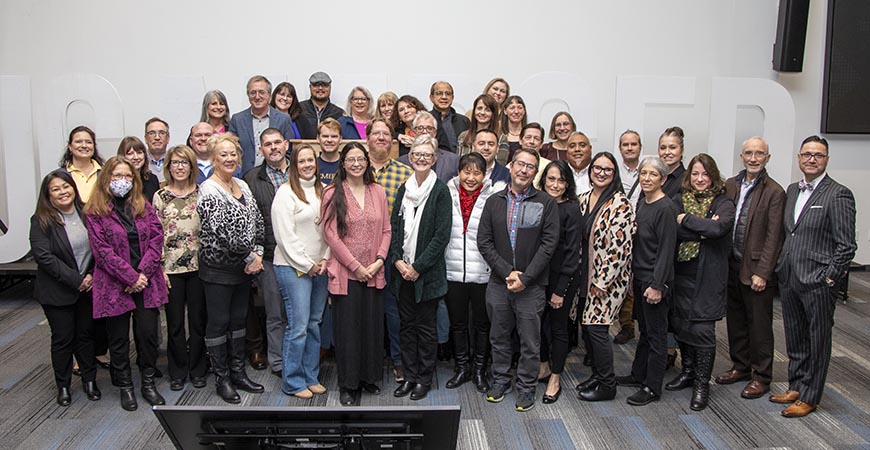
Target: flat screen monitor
273, 428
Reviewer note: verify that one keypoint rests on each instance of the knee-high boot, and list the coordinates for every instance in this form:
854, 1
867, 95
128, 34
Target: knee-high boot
686, 378
218, 355
703, 367
125, 382
149, 389
462, 369
480, 374
238, 376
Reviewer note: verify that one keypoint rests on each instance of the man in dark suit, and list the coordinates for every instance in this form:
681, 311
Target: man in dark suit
250, 123
819, 244
441, 95
757, 241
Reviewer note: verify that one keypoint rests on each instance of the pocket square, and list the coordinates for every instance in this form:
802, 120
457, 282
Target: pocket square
816, 206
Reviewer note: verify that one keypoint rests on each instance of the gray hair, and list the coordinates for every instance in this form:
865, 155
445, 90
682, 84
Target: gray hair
425, 139
257, 78
656, 163
424, 114
756, 138
372, 103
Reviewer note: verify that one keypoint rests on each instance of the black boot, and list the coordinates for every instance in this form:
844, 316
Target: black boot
149, 390
218, 355
238, 376
480, 373
703, 367
125, 382
686, 378
91, 390
462, 370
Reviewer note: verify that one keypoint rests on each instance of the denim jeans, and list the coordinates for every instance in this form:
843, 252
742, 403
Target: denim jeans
304, 300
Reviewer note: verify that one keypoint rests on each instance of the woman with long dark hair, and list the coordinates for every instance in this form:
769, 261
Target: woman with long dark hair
515, 117
215, 111
134, 150
706, 218
82, 160
486, 114
406, 110
356, 226
60, 246
608, 224
127, 243
558, 182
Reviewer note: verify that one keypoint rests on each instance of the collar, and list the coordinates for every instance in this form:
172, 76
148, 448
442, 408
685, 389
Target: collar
818, 179
268, 110
629, 169
71, 168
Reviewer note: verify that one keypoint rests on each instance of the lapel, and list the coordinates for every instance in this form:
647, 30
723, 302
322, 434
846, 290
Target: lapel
63, 243
248, 125
815, 196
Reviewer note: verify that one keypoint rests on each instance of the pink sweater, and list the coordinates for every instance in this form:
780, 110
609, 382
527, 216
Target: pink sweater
342, 263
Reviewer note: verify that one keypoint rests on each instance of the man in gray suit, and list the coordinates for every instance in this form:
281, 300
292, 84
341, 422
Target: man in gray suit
250, 123
819, 244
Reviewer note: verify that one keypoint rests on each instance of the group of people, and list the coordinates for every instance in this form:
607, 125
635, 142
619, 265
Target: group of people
478, 229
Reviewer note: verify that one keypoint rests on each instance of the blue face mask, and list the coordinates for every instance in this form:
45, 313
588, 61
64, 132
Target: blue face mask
120, 187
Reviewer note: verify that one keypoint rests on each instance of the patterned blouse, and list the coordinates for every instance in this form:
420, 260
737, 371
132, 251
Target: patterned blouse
361, 230
181, 229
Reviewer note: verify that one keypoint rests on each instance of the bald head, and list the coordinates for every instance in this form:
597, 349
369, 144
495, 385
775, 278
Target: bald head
199, 135
755, 156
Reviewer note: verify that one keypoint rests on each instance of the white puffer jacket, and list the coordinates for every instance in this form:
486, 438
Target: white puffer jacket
465, 264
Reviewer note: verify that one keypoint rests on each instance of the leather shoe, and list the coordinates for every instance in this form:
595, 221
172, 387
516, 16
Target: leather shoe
550, 399
370, 388
198, 382
63, 396
176, 384
404, 389
598, 393
128, 399
627, 380
798, 409
590, 382
258, 361
733, 376
91, 390
643, 396
419, 392
788, 397
347, 397
755, 389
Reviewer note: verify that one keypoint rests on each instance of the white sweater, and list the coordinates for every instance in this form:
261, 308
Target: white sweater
298, 234
465, 264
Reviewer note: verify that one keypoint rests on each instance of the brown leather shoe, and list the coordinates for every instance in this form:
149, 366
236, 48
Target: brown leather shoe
755, 389
798, 409
788, 397
732, 376
258, 361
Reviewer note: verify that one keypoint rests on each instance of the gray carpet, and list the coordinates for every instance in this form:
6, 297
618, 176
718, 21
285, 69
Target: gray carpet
30, 419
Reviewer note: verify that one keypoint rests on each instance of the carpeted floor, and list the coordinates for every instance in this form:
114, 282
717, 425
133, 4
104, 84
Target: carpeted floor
30, 418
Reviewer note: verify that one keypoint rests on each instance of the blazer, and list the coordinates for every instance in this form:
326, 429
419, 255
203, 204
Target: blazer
348, 128
762, 240
821, 242
57, 274
112, 270
242, 126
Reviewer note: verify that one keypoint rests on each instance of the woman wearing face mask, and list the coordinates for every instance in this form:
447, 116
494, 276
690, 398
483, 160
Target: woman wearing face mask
127, 243
133, 149
558, 182
300, 267
706, 218
608, 224
59, 241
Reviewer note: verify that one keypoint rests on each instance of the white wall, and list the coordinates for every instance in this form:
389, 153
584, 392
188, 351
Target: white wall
647, 65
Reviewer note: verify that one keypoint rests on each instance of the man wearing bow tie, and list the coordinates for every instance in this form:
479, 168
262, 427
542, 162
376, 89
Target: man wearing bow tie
819, 244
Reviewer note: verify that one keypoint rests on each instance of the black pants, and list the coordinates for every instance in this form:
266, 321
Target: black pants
72, 332
226, 308
145, 329
359, 335
554, 334
459, 297
186, 355
750, 328
418, 337
255, 323
651, 356
602, 354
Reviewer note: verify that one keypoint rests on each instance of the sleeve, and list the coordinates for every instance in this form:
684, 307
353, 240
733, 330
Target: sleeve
666, 230
330, 235
151, 258
40, 245
284, 226
774, 236
486, 241
259, 227
233, 128
547, 246
841, 217
158, 209
708, 228
434, 250
616, 246
104, 253
386, 230
397, 229
573, 241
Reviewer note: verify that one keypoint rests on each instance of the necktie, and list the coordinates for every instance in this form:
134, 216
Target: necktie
804, 186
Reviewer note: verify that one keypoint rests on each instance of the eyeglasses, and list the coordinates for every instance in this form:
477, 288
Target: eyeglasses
443, 93
179, 163
424, 129
422, 156
605, 170
524, 165
122, 176
808, 156
756, 153
160, 133
352, 161
359, 99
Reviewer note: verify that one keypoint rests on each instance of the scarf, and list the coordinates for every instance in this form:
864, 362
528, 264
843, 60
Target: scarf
696, 204
466, 204
413, 203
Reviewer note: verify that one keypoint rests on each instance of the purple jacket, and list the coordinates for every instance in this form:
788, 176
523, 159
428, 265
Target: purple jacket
112, 270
